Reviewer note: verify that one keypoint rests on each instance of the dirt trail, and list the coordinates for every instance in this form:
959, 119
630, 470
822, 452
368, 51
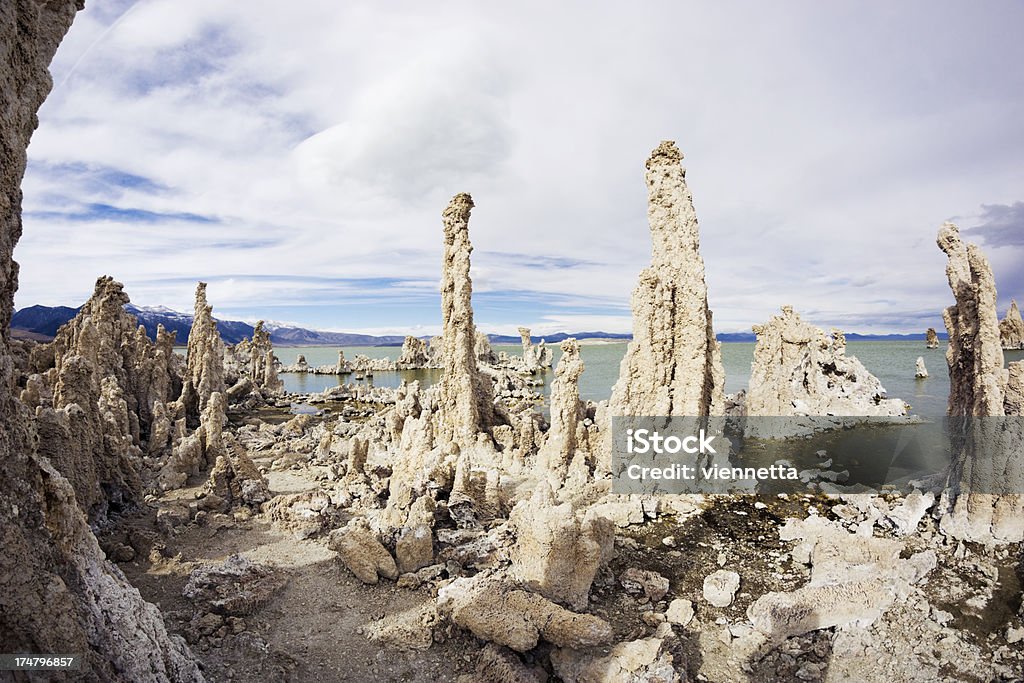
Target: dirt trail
311, 630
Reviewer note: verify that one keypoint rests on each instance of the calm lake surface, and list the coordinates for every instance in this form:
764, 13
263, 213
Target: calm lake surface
892, 362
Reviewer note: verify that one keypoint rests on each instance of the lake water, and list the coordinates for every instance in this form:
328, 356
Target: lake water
892, 362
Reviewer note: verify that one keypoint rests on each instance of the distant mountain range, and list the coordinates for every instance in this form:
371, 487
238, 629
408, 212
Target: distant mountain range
41, 322
45, 320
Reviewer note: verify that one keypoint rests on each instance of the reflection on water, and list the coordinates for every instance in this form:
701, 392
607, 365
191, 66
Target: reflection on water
892, 362
301, 383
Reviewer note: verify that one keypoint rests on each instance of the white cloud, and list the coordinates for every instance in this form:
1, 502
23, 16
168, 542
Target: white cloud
824, 146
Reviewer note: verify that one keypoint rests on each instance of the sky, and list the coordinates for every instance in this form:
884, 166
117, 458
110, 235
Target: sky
297, 156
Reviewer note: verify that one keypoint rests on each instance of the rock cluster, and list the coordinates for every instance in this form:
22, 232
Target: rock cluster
931, 339
341, 367
101, 404
558, 550
568, 433
500, 613
415, 353
362, 552
235, 587
58, 593
854, 579
535, 357
1011, 328
984, 496
673, 365
798, 370
203, 390
254, 360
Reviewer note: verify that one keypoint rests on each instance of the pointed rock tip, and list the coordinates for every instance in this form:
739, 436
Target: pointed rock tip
949, 236
665, 152
456, 216
108, 288
460, 202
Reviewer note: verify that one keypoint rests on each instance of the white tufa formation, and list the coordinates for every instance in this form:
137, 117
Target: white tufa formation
798, 370
1011, 329
673, 365
984, 496
535, 357
205, 371
567, 433
465, 396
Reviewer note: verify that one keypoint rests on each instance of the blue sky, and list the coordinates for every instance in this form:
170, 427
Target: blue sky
299, 161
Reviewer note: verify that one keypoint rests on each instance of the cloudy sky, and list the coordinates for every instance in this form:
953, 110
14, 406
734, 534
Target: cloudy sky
297, 156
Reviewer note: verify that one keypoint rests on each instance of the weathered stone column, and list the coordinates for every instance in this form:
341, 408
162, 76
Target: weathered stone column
673, 365
984, 496
465, 396
205, 371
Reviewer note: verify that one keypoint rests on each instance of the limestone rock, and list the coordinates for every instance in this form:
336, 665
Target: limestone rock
204, 374
931, 339
679, 612
414, 548
720, 587
362, 552
254, 360
983, 499
497, 664
408, 630
1013, 400
646, 582
811, 608
634, 662
498, 612
673, 365
484, 351
535, 357
57, 591
415, 353
1011, 328
236, 587
854, 579
464, 395
567, 432
558, 551
236, 480
798, 370
109, 385
905, 517
193, 453
920, 371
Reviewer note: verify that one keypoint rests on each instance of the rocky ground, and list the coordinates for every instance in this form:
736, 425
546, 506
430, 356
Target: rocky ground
282, 605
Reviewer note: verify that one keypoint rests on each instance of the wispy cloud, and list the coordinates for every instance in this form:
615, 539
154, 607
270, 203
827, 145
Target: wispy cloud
1002, 225
299, 161
106, 212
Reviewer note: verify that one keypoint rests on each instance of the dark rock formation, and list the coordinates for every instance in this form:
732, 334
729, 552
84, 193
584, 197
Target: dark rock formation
58, 593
